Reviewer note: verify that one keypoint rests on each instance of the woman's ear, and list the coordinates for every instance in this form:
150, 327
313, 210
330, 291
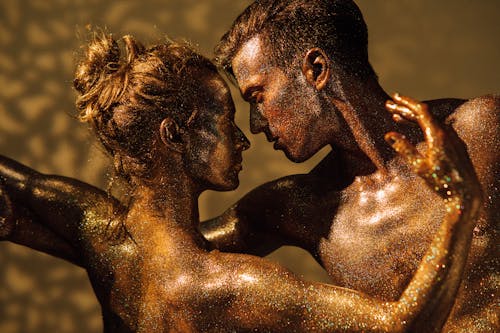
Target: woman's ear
316, 68
170, 135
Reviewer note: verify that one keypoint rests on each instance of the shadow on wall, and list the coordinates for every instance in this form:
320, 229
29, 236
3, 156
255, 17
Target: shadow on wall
438, 49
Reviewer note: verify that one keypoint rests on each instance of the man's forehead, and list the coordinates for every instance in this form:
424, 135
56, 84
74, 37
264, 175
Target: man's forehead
251, 59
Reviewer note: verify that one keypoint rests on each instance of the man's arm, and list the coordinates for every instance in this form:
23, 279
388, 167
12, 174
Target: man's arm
294, 210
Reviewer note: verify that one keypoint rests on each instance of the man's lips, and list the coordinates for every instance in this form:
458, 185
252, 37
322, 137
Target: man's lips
271, 138
277, 144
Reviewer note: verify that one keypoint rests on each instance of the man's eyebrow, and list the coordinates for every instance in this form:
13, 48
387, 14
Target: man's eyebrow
245, 91
250, 83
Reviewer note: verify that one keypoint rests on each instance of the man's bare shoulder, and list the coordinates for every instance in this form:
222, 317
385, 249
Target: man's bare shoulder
478, 121
473, 119
477, 113
442, 108
290, 192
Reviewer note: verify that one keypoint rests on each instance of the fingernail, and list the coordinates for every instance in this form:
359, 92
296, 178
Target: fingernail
397, 118
390, 139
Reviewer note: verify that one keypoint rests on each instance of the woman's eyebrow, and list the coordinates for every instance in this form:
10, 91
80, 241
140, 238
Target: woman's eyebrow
192, 116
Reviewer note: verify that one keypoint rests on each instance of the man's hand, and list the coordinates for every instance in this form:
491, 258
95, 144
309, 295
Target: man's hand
445, 164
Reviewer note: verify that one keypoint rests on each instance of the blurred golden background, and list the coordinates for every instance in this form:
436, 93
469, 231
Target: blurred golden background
424, 48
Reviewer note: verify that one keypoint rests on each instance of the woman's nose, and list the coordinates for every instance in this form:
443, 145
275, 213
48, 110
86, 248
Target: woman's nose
241, 140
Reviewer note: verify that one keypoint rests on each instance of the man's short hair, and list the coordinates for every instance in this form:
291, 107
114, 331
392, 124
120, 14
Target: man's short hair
290, 27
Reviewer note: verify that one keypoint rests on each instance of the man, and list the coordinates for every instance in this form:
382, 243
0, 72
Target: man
303, 67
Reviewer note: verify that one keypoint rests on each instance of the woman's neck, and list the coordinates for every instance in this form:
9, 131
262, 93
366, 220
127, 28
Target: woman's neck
166, 208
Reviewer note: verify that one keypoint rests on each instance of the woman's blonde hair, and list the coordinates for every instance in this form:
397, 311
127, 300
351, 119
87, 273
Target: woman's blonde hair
124, 95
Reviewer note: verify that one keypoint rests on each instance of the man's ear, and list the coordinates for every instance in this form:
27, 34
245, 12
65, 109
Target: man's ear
316, 68
170, 135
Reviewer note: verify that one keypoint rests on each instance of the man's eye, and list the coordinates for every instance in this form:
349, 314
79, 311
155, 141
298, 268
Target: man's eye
256, 97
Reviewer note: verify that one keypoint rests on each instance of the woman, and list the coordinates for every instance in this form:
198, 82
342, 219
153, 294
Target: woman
166, 118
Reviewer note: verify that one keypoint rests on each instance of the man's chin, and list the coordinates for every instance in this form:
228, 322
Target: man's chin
294, 157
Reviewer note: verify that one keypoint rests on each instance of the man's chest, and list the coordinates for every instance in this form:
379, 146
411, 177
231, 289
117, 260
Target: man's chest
379, 235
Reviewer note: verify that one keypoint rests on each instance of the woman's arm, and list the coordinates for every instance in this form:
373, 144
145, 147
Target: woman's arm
18, 226
52, 213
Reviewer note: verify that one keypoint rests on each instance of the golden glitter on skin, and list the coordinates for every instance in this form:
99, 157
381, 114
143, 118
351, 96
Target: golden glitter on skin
361, 212
152, 270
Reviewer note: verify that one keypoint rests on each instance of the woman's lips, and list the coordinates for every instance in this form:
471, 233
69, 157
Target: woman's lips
238, 164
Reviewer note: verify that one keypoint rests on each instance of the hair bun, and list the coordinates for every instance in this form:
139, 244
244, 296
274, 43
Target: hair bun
102, 74
102, 56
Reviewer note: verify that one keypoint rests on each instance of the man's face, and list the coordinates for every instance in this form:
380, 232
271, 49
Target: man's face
283, 104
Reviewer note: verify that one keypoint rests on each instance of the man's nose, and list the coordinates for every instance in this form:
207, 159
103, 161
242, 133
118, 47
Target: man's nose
257, 121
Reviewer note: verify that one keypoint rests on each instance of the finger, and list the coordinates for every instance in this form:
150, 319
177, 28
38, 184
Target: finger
406, 150
400, 111
409, 102
400, 120
417, 108
432, 130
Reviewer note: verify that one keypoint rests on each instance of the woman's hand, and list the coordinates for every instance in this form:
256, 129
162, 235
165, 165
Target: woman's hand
444, 164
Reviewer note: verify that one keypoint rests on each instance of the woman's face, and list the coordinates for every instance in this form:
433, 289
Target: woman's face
215, 143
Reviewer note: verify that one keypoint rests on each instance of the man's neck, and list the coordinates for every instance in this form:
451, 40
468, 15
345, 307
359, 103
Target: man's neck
362, 105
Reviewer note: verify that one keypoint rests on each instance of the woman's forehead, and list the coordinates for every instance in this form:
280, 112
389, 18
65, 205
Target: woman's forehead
213, 87
215, 82
211, 97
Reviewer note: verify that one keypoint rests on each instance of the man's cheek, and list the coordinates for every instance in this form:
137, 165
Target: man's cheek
275, 114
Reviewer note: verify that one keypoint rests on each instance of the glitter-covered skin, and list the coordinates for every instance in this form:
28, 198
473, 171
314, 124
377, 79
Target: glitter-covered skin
152, 270
361, 212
